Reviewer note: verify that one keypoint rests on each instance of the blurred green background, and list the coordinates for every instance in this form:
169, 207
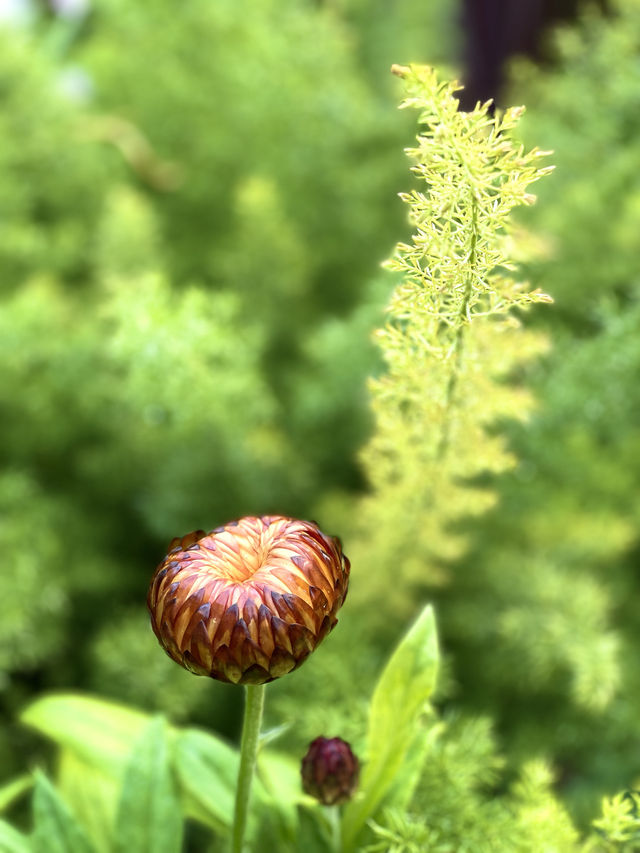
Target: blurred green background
194, 204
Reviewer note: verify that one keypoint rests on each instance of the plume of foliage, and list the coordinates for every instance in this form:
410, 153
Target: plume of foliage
451, 347
452, 342
618, 830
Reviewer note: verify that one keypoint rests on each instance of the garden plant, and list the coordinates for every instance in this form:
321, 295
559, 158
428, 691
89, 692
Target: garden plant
252, 600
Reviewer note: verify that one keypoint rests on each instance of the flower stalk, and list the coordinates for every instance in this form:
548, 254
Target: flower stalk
254, 705
246, 603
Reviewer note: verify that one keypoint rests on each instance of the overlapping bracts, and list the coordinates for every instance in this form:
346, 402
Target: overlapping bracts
248, 602
330, 771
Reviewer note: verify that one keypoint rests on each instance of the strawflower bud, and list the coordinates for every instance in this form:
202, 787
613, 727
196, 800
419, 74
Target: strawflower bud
248, 602
330, 771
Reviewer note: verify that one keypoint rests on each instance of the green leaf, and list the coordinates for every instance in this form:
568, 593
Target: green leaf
101, 736
398, 702
207, 769
92, 795
55, 828
101, 733
406, 781
12, 841
149, 818
14, 789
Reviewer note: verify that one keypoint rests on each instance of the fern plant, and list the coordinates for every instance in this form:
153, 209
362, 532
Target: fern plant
452, 340
452, 345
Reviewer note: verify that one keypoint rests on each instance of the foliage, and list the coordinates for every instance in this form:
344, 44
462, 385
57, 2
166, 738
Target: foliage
407, 30
412, 477
544, 595
453, 319
177, 256
585, 106
395, 738
187, 277
131, 764
619, 826
463, 817
47, 219
127, 781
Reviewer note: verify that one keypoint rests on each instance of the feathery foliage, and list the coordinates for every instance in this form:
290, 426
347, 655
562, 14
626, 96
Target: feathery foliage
451, 348
545, 596
452, 343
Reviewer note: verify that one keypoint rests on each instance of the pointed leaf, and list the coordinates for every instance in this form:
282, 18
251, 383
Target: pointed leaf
407, 778
398, 702
207, 769
273, 734
55, 828
149, 819
93, 796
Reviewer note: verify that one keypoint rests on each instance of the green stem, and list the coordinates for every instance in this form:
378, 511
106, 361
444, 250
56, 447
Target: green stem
459, 339
254, 703
332, 813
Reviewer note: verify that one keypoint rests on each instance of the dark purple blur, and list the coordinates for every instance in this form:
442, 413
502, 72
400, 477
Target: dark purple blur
330, 771
496, 30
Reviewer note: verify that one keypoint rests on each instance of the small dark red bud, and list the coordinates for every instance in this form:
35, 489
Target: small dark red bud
330, 771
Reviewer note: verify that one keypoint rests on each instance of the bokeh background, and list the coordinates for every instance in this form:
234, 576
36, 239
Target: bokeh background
195, 200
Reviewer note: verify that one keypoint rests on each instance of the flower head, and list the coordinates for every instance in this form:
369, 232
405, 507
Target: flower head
248, 602
330, 771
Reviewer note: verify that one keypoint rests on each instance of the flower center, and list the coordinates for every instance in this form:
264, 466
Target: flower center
235, 553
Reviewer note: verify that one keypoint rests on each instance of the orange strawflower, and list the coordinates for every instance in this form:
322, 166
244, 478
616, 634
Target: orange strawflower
248, 602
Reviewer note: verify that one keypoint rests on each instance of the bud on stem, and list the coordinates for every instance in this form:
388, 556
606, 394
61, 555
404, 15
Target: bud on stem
330, 771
